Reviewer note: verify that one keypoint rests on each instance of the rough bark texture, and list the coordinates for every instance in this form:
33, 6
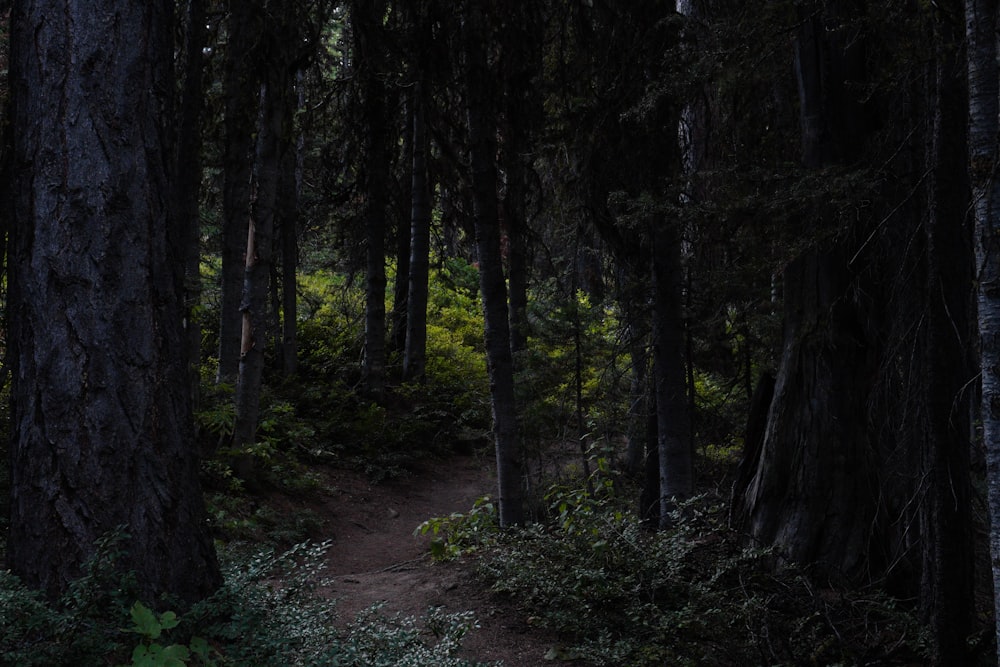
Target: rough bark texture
810, 495
815, 492
984, 105
499, 360
103, 433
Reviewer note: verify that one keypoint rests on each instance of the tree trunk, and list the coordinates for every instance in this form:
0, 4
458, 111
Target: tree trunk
254, 307
366, 22
669, 377
103, 432
188, 175
404, 222
288, 221
947, 586
415, 355
240, 88
814, 494
984, 106
521, 62
500, 364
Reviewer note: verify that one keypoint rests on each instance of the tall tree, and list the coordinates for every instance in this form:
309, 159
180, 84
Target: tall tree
520, 37
480, 106
367, 18
415, 352
188, 179
984, 106
241, 86
810, 494
103, 432
273, 141
947, 570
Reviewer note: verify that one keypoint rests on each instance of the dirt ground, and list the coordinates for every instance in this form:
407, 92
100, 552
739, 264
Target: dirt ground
376, 558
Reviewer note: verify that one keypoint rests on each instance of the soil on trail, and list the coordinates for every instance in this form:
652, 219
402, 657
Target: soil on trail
375, 557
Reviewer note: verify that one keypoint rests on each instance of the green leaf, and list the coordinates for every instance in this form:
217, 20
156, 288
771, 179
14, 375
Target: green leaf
145, 621
168, 619
199, 647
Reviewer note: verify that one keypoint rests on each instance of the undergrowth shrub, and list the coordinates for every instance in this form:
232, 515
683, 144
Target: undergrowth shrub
273, 609
691, 595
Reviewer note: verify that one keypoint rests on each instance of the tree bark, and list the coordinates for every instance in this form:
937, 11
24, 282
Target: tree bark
813, 496
188, 173
676, 458
415, 354
240, 92
288, 222
499, 360
103, 431
366, 18
984, 106
271, 137
947, 572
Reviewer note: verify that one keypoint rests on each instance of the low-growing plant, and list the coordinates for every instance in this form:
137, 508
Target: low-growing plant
272, 609
691, 595
461, 533
375, 640
150, 652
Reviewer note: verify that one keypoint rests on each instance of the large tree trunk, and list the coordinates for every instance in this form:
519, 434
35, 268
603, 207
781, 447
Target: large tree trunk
240, 88
499, 360
814, 496
984, 106
103, 433
415, 354
812, 492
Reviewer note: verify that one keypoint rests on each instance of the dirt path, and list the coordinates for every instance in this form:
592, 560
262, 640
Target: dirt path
376, 558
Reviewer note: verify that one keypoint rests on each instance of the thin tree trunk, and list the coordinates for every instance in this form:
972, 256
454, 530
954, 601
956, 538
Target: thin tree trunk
254, 306
404, 222
947, 587
103, 432
366, 21
669, 376
500, 364
984, 106
240, 87
415, 356
188, 175
288, 215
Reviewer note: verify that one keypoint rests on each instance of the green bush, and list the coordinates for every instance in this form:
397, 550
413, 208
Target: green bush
691, 595
272, 610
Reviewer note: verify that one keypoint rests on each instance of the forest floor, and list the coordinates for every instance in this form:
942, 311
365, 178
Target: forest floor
375, 556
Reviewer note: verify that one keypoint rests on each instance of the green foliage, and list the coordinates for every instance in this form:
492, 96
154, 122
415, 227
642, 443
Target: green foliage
547, 372
375, 640
150, 653
461, 533
623, 595
271, 610
81, 628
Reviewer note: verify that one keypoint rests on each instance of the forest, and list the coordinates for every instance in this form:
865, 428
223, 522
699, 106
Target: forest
712, 286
